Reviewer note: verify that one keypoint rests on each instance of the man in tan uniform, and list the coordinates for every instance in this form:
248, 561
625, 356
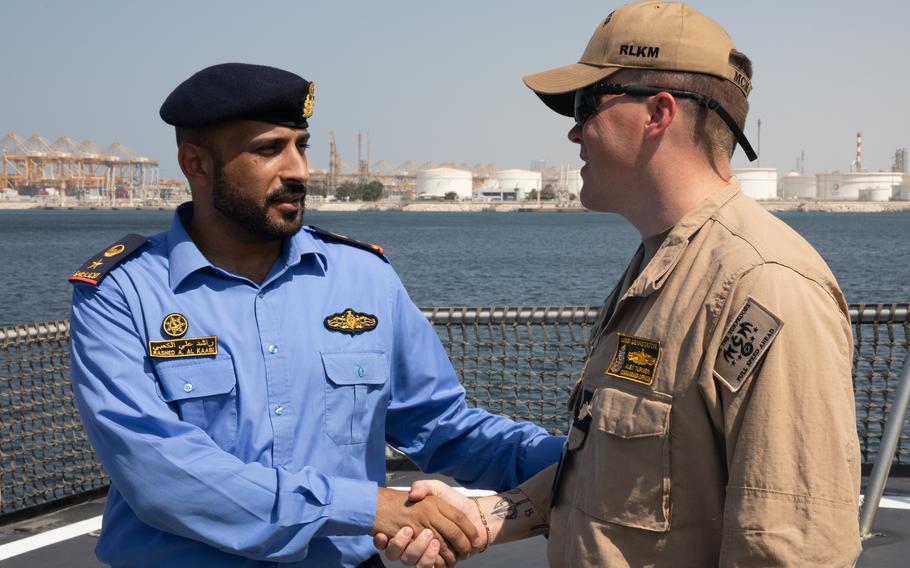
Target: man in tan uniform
714, 422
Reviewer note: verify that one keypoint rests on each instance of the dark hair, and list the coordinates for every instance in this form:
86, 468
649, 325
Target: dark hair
200, 136
708, 132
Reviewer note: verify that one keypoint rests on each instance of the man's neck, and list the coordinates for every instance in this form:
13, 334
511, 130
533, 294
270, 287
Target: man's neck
231, 247
668, 193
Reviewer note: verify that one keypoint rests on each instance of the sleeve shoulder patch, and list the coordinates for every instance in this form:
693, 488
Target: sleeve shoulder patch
335, 237
96, 268
746, 341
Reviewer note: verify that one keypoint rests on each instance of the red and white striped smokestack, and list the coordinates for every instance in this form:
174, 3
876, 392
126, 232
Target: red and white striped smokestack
859, 151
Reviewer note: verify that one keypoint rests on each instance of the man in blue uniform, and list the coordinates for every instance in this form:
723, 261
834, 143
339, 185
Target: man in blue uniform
239, 374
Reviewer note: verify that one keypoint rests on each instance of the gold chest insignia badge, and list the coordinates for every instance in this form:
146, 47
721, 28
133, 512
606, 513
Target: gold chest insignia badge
635, 359
351, 322
309, 103
175, 326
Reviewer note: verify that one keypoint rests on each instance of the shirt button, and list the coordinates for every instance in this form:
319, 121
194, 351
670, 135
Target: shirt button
360, 372
188, 387
273, 349
260, 295
279, 410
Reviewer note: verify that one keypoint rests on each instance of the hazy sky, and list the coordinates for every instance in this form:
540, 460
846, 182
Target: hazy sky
441, 81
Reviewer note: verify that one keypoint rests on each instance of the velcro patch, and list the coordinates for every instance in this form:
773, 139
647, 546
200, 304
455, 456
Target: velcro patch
745, 343
635, 359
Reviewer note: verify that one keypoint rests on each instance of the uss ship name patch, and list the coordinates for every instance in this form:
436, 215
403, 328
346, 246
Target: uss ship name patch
635, 359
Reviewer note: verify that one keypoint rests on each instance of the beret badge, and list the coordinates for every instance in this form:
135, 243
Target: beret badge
308, 103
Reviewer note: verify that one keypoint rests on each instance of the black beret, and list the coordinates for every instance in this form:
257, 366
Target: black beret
232, 91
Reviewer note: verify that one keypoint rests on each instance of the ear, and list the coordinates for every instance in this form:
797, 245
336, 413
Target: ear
662, 112
197, 164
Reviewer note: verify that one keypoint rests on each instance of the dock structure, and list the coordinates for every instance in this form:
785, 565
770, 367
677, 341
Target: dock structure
70, 170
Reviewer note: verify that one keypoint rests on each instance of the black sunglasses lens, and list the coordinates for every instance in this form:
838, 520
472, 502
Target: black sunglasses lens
582, 106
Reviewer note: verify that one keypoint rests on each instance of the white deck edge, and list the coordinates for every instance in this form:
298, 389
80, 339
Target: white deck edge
50, 537
67, 532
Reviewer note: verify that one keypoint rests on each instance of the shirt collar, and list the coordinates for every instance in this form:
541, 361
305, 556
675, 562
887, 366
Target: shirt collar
184, 257
669, 253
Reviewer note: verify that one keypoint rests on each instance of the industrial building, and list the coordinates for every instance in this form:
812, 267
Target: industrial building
795, 185
857, 186
437, 182
758, 183
511, 185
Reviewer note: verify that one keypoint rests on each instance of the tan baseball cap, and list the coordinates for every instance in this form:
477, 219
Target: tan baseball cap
644, 35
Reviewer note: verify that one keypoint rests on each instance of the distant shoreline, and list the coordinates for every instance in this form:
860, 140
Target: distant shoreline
482, 207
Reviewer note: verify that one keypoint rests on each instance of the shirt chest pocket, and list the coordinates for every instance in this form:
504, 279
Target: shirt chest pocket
355, 398
204, 393
624, 464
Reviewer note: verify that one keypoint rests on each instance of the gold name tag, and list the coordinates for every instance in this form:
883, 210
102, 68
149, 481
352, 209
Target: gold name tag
186, 347
86, 274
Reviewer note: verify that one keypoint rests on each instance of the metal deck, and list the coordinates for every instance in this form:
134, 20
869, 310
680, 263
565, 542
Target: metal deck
889, 548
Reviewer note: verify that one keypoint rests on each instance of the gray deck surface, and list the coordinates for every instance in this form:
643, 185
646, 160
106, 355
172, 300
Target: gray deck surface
889, 549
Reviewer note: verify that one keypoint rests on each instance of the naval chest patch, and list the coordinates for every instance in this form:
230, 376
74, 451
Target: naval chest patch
747, 340
635, 359
351, 322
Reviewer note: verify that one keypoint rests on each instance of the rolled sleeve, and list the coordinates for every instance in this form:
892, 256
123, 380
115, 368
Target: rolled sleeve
538, 489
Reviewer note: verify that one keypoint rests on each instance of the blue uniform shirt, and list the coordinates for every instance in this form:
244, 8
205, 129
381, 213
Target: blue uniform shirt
271, 450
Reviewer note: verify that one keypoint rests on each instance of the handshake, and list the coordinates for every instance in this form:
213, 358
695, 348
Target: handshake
436, 526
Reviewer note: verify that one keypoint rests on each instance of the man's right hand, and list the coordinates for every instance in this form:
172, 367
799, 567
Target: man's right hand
423, 550
457, 535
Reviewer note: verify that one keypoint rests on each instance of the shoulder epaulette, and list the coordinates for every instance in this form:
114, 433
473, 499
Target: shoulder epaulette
97, 267
330, 236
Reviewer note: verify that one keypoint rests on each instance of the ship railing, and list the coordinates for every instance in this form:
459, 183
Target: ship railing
516, 361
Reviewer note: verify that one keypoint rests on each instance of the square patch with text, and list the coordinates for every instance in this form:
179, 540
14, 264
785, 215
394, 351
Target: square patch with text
635, 359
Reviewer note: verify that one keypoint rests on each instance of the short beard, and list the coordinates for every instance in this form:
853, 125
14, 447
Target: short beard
231, 202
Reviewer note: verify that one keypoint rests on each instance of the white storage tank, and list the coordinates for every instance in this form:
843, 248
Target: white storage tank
828, 186
573, 182
798, 186
437, 182
875, 195
846, 186
519, 182
758, 183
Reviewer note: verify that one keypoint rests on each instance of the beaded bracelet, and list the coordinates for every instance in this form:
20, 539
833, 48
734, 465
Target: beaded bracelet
483, 519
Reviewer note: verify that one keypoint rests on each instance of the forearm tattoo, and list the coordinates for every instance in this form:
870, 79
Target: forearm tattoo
513, 505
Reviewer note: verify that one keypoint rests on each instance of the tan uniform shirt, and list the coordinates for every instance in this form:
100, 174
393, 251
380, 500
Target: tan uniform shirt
720, 417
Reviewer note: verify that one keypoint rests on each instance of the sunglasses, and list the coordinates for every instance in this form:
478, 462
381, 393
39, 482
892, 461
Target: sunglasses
586, 105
